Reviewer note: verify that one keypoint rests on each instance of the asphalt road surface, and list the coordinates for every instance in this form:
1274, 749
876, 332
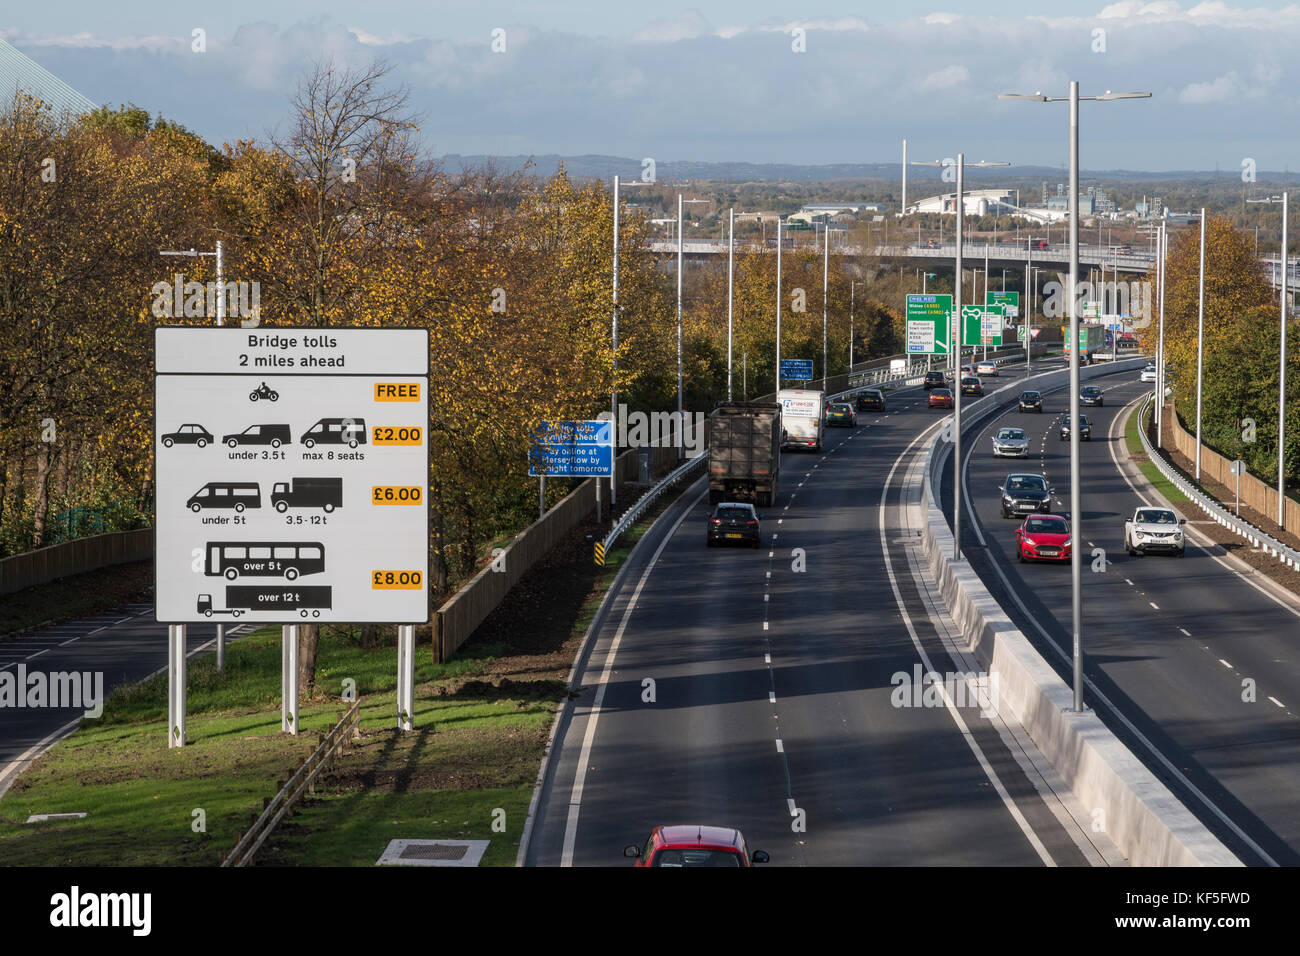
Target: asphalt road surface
729, 687
1171, 645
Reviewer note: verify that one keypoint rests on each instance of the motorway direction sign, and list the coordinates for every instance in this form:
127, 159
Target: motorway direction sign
1010, 302
291, 474
572, 449
928, 330
797, 369
981, 325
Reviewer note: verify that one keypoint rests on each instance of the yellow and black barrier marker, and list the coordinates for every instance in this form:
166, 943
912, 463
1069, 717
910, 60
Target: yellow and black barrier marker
600, 554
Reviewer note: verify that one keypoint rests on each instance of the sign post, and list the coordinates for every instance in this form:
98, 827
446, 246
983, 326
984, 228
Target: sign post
291, 475
1237, 467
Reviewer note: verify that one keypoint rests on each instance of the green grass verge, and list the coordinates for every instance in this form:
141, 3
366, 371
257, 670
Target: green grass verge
1139, 456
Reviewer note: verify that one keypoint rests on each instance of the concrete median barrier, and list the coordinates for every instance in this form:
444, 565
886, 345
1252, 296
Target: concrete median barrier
1147, 823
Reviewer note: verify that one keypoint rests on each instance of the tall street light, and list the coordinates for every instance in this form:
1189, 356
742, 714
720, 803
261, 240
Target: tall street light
681, 230
1281, 395
826, 274
955, 323
1076, 511
1163, 263
731, 284
778, 302
1200, 343
613, 392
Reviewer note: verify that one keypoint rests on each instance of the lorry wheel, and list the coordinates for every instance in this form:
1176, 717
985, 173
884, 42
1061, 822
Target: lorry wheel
328, 508
208, 613
282, 506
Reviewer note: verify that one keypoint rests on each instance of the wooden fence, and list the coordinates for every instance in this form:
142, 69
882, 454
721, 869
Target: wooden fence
74, 557
455, 621
1254, 493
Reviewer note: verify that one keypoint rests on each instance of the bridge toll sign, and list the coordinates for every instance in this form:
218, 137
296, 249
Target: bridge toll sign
290, 475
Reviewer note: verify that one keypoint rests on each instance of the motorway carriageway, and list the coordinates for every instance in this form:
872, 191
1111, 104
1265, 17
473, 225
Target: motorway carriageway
772, 688
125, 644
1167, 641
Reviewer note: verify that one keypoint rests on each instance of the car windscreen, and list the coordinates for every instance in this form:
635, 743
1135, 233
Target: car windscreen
695, 856
1011, 433
941, 392
1155, 516
1046, 526
1026, 483
1090, 389
1029, 396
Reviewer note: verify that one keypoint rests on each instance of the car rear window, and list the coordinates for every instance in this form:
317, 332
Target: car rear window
695, 856
1029, 396
1026, 483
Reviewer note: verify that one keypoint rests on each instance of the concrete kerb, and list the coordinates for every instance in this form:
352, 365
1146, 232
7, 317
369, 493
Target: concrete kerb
1148, 824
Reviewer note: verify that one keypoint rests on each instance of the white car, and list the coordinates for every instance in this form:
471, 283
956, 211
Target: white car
1010, 443
1149, 373
1154, 530
987, 368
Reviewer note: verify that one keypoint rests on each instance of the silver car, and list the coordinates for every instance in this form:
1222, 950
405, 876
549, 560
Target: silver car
1010, 443
1149, 374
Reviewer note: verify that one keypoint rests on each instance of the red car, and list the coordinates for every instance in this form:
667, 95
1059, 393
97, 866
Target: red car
1043, 538
694, 845
940, 398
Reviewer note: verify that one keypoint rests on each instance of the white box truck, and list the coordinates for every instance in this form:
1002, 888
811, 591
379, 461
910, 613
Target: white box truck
803, 418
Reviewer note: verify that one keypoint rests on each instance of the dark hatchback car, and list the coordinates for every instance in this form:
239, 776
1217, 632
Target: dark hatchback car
971, 385
842, 414
1085, 428
1091, 395
1031, 401
934, 380
734, 522
1026, 495
873, 399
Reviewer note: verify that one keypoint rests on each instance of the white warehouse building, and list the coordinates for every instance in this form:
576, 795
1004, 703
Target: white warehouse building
978, 202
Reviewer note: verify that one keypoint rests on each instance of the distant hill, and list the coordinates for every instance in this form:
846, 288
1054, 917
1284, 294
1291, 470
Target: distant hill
606, 167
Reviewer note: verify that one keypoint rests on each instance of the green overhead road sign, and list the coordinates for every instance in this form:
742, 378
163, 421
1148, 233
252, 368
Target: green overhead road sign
981, 325
928, 329
1010, 301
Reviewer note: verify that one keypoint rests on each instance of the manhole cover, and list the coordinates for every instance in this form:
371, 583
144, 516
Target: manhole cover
436, 851
433, 853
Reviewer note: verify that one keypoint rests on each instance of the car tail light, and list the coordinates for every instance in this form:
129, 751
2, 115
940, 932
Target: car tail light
751, 523
715, 521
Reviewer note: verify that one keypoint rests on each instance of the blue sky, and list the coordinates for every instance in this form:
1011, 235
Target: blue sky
720, 81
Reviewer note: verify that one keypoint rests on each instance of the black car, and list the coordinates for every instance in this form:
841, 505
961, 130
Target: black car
934, 380
971, 385
1091, 395
734, 522
1085, 428
1031, 401
1026, 495
873, 399
189, 434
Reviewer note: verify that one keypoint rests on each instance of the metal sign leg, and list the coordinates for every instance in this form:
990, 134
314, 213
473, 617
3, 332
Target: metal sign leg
176, 685
289, 679
405, 677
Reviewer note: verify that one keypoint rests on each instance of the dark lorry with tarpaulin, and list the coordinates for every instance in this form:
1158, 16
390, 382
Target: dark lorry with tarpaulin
744, 452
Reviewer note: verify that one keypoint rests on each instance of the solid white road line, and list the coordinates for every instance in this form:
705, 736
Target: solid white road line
953, 712
584, 756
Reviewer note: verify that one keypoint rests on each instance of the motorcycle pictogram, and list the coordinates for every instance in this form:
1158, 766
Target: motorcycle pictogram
263, 391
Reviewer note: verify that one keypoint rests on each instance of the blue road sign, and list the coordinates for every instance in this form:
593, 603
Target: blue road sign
798, 369
573, 449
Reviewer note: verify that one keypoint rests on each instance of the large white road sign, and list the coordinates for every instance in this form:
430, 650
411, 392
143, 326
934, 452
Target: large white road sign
291, 475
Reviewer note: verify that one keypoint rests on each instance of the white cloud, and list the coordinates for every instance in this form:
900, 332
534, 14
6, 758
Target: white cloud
946, 78
687, 25
1220, 90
